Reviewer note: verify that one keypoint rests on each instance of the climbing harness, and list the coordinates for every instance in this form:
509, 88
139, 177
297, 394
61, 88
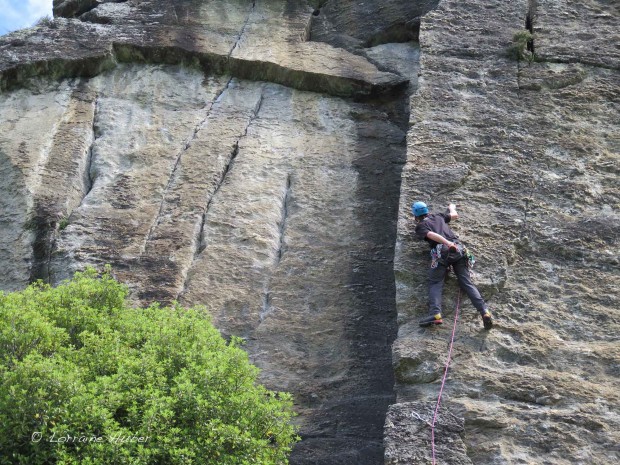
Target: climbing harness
445, 374
439, 249
442, 255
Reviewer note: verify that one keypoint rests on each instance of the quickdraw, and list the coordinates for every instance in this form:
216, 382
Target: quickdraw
471, 260
435, 256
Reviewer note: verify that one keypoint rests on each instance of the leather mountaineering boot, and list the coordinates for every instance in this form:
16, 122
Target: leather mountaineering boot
431, 320
487, 320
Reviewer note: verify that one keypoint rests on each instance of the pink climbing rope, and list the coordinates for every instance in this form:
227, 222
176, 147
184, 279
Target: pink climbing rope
445, 374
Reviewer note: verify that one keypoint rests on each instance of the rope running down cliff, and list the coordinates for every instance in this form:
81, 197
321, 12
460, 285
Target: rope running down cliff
445, 374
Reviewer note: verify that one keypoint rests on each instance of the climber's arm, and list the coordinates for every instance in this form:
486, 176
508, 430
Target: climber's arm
439, 239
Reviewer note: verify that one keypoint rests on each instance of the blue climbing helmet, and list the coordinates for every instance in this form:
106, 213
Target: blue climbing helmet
419, 209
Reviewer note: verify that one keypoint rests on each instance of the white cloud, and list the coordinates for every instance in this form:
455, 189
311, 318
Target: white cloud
9, 11
17, 14
38, 8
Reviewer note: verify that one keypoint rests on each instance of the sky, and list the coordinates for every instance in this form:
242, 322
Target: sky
17, 14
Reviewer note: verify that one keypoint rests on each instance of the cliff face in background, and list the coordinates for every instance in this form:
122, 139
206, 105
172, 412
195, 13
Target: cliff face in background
260, 159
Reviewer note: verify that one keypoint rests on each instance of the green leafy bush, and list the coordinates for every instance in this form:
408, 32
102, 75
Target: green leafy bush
86, 379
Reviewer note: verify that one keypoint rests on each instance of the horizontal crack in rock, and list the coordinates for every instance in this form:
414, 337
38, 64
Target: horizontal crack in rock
350, 75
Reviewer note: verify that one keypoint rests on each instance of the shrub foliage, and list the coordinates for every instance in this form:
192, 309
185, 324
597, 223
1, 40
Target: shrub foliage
520, 48
86, 379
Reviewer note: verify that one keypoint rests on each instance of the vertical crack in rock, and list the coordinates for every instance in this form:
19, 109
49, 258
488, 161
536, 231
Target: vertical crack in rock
529, 26
236, 149
225, 172
285, 207
200, 236
42, 218
87, 186
320, 4
266, 304
87, 177
44, 225
317, 11
247, 20
63, 177
173, 173
529, 23
528, 200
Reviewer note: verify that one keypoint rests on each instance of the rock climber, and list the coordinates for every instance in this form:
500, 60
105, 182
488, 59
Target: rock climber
446, 252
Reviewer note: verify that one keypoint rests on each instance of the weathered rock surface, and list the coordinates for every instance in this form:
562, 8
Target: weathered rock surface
28, 126
409, 422
273, 208
212, 153
249, 198
530, 153
354, 25
261, 40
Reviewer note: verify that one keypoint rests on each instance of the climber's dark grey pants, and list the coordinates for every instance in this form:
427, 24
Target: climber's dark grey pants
436, 279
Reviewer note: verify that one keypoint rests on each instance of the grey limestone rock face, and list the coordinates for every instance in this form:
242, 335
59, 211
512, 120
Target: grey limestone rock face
261, 40
527, 151
406, 431
272, 207
28, 126
353, 24
259, 159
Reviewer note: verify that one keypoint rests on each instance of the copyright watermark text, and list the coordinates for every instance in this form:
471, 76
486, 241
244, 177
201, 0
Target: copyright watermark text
87, 438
